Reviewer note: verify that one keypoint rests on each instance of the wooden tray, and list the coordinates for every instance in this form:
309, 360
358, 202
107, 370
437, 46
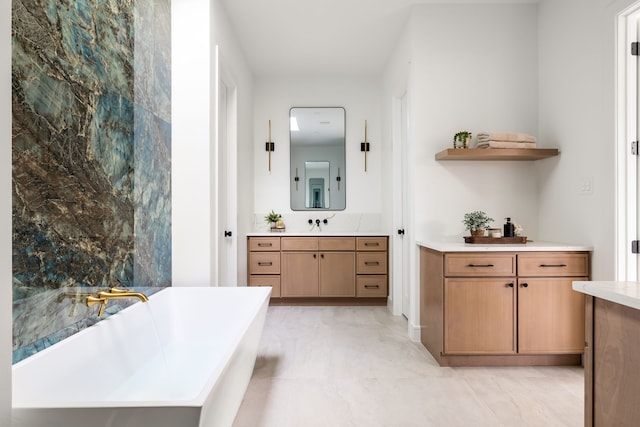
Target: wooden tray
495, 240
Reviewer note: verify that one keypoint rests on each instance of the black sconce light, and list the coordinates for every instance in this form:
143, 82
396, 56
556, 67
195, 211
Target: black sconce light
270, 146
364, 146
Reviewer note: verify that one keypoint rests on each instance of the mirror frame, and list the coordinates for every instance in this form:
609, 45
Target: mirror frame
336, 158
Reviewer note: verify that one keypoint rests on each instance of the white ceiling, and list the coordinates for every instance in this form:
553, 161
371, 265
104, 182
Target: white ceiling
320, 37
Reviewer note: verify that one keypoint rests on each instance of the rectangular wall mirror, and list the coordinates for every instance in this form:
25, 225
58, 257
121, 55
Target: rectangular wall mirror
318, 164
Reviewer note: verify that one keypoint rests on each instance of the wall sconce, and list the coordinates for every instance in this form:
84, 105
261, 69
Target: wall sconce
270, 146
364, 146
297, 179
338, 178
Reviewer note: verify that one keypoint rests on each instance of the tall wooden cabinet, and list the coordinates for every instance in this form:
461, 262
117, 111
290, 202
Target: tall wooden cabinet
320, 267
502, 308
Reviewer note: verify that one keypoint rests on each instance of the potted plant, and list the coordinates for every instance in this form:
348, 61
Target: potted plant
462, 137
272, 218
477, 222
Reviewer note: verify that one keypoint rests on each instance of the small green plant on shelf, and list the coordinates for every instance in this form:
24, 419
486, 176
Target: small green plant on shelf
272, 217
462, 137
477, 221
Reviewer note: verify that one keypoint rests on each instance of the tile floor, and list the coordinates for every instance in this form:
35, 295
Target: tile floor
355, 366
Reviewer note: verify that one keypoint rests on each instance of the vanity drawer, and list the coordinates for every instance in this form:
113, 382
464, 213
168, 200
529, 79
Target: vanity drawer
479, 265
554, 264
264, 262
371, 243
264, 243
299, 243
267, 280
371, 286
371, 263
337, 244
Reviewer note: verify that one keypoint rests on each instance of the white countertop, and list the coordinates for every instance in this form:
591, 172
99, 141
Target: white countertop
315, 233
524, 247
624, 293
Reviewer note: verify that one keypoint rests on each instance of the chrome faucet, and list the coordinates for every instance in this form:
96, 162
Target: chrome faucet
103, 297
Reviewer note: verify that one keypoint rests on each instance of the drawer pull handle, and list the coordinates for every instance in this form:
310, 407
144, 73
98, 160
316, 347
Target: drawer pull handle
265, 263
510, 285
553, 265
371, 243
525, 285
371, 286
265, 245
480, 265
371, 263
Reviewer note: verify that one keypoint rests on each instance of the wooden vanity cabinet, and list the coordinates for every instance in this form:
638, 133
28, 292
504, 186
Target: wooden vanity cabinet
321, 267
318, 267
502, 308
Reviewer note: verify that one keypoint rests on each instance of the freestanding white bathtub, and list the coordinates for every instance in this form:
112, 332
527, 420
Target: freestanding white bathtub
183, 359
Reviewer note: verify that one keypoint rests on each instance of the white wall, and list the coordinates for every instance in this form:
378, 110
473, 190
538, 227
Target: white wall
466, 67
577, 114
5, 214
474, 67
191, 110
198, 27
233, 61
360, 97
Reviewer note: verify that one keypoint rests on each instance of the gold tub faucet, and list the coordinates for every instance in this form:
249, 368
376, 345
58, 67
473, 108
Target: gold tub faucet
103, 297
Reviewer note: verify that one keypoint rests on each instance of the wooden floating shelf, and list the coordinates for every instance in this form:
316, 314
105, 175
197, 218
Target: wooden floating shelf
496, 153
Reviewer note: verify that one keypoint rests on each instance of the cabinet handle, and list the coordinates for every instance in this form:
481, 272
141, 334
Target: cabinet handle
510, 285
265, 263
525, 285
371, 243
314, 255
480, 265
553, 265
371, 263
371, 286
322, 256
265, 245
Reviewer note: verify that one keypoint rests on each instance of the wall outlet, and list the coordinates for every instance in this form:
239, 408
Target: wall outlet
586, 186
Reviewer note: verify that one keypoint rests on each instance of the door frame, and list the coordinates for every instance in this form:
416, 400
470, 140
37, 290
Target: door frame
626, 113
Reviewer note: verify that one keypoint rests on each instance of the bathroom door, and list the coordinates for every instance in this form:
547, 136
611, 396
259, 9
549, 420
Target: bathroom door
404, 123
401, 237
227, 274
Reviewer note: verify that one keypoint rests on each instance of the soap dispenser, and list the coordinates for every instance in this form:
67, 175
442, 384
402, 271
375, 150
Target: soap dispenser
509, 229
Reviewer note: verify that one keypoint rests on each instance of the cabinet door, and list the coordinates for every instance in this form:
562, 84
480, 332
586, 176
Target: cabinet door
479, 316
299, 274
550, 316
337, 274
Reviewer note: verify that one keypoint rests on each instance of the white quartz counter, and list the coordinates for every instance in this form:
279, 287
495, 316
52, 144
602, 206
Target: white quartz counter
624, 293
524, 247
314, 233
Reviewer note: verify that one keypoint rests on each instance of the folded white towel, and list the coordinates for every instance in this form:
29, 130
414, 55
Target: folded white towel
505, 144
506, 136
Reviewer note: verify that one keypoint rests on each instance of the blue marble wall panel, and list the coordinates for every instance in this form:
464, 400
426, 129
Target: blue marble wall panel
91, 158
